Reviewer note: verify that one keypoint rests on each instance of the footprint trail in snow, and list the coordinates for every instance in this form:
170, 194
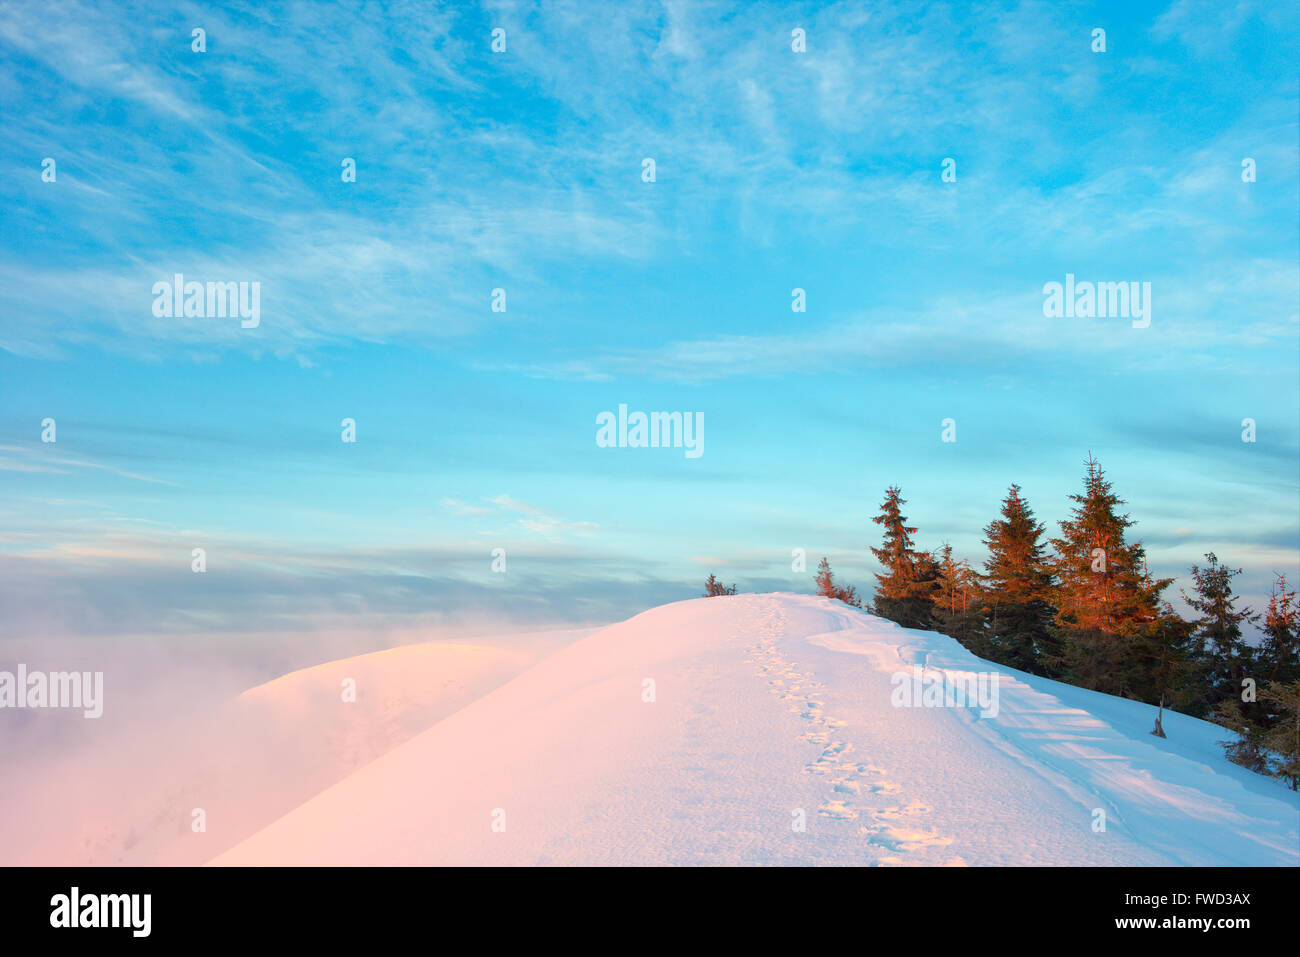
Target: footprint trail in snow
853, 785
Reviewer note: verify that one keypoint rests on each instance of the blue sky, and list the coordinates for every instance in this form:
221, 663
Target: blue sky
521, 170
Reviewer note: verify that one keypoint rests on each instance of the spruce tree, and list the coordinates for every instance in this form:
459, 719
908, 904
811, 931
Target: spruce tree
1217, 636
1279, 654
903, 592
825, 580
714, 588
1274, 667
955, 610
827, 588
1282, 741
1104, 595
1017, 588
1247, 748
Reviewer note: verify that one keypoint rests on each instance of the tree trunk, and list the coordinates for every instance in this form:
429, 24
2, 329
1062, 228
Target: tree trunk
1159, 730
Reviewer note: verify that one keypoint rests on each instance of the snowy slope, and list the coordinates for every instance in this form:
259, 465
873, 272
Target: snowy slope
251, 760
769, 705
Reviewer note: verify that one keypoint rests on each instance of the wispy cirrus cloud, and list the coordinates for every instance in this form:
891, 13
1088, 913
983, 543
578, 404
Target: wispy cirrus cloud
531, 518
455, 199
1201, 323
46, 458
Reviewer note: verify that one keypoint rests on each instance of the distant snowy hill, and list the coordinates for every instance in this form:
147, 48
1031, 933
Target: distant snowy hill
708, 731
248, 761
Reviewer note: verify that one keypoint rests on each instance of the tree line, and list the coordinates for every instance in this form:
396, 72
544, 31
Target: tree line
1083, 608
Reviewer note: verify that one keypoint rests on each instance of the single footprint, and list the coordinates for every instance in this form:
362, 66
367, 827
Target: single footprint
836, 808
895, 813
884, 787
904, 838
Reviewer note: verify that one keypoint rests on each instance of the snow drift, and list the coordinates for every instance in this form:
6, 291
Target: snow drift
765, 729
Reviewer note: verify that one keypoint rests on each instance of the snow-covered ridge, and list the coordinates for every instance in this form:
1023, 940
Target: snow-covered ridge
765, 729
